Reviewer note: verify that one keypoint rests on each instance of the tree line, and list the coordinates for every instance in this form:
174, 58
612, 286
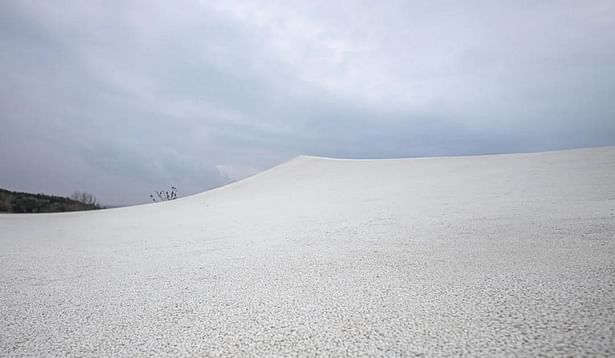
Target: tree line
20, 202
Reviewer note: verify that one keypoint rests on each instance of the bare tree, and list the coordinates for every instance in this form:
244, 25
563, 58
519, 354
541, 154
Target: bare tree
84, 197
164, 195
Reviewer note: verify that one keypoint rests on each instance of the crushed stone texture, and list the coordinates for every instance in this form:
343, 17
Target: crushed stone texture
503, 255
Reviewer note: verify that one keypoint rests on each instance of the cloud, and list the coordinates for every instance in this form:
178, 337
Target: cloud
123, 98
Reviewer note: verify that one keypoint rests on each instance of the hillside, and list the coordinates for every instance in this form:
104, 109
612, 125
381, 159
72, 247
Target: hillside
19, 202
502, 255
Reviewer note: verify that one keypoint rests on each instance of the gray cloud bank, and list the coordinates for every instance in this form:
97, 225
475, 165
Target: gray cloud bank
122, 98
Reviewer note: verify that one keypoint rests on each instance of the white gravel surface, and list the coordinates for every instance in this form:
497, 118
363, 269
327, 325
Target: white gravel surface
505, 255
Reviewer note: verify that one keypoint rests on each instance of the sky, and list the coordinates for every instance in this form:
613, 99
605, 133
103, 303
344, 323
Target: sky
121, 98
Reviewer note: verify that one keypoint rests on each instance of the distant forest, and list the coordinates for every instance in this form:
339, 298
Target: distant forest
17, 202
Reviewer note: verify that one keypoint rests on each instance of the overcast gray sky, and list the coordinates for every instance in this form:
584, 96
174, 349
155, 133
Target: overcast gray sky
120, 98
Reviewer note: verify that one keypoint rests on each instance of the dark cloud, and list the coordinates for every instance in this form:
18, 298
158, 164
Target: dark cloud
122, 98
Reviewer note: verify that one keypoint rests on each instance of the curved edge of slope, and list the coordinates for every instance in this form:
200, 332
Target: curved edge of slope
201, 195
162, 204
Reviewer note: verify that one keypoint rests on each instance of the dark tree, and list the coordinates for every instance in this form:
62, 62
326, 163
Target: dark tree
164, 195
